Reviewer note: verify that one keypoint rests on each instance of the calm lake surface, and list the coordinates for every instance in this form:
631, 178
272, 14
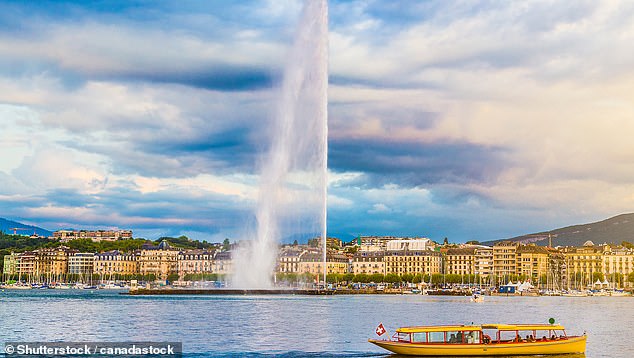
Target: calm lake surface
293, 326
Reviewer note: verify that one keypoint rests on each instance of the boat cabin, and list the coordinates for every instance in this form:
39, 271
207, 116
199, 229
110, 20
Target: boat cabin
480, 334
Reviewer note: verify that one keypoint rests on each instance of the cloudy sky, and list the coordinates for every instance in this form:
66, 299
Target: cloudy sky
467, 120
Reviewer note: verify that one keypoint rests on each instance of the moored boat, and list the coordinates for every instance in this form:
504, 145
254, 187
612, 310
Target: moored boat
482, 340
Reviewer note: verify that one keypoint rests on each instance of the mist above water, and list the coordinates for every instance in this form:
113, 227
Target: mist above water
293, 174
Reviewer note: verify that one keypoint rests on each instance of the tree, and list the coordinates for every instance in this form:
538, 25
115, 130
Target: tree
348, 277
392, 278
226, 245
377, 277
295, 243
446, 241
630, 277
418, 278
437, 278
362, 278
407, 277
173, 277
332, 278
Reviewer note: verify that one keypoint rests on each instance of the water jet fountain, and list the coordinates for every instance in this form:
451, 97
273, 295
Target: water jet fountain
293, 180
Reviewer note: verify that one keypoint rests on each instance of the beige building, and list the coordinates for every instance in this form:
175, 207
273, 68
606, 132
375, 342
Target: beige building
618, 260
107, 264
195, 262
413, 262
81, 263
161, 261
368, 262
532, 261
94, 235
51, 264
582, 263
504, 259
26, 264
484, 261
460, 261
289, 258
312, 262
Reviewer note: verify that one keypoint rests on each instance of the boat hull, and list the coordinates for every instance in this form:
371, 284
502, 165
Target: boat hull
564, 346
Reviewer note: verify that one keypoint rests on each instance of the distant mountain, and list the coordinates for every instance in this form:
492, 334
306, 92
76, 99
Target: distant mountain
613, 230
7, 227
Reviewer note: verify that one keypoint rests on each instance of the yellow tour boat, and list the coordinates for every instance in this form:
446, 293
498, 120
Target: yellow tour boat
481, 340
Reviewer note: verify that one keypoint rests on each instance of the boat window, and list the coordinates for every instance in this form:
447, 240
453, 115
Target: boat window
526, 336
454, 337
436, 337
507, 336
403, 337
542, 335
472, 337
420, 337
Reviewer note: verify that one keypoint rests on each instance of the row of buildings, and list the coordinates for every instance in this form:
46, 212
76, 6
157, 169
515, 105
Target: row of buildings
367, 255
93, 235
55, 264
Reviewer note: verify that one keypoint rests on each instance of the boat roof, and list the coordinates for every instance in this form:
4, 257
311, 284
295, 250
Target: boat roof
522, 327
416, 329
501, 327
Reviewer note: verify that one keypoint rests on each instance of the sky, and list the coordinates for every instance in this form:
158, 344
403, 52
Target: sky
471, 120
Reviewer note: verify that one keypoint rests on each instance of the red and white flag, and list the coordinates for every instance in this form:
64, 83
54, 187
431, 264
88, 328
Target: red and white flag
380, 330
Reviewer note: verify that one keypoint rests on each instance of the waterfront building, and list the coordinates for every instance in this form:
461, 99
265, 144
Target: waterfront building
10, 265
413, 261
504, 260
223, 263
195, 262
617, 261
380, 243
368, 262
26, 265
289, 258
111, 263
583, 264
94, 235
51, 264
81, 263
483, 261
312, 262
460, 261
161, 260
532, 262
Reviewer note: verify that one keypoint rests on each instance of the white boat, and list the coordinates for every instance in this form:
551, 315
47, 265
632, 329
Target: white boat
110, 286
617, 293
477, 298
575, 294
17, 287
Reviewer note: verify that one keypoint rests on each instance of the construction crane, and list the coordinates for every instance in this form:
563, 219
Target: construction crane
15, 229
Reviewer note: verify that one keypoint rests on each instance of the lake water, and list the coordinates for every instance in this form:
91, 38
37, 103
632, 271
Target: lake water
293, 326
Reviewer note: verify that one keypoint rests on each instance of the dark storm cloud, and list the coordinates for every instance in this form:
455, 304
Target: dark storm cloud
173, 211
222, 78
416, 163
